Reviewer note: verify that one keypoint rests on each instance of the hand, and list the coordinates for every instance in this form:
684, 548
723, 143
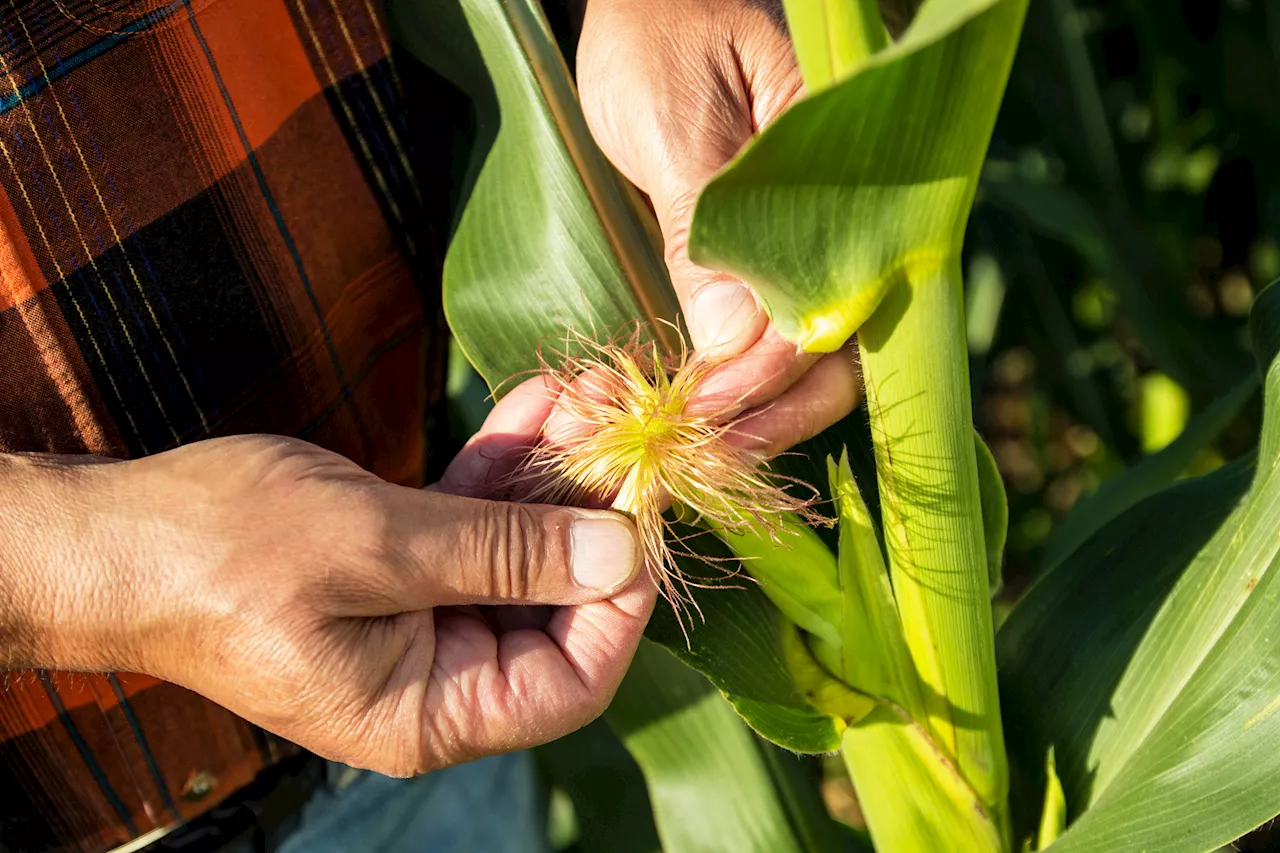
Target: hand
672, 89
346, 614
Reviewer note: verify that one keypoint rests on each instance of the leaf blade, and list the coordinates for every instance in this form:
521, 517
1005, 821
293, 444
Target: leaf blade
710, 785
551, 237
1151, 667
865, 180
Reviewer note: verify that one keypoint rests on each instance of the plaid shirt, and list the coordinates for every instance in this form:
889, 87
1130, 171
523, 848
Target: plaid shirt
207, 226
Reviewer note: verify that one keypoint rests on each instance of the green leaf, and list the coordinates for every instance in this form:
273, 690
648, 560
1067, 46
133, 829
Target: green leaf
833, 37
855, 185
1149, 476
1147, 658
995, 512
740, 644
873, 656
914, 799
609, 796
712, 786
552, 237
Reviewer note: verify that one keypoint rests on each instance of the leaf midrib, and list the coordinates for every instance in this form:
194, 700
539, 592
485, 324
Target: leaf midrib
552, 77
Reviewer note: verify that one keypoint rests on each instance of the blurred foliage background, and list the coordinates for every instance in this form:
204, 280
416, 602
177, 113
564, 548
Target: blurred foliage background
1129, 211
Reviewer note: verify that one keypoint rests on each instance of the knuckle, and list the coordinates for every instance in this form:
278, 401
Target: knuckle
676, 250
510, 547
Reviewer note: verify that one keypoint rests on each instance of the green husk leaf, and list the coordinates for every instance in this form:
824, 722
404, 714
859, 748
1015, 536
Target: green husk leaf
797, 573
995, 512
820, 687
873, 656
914, 799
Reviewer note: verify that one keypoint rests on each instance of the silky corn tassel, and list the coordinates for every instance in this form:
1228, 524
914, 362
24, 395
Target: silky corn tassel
632, 436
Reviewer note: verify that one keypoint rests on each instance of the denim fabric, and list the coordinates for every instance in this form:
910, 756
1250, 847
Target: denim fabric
487, 806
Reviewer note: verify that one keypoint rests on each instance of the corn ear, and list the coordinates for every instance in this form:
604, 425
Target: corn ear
1053, 817
874, 657
795, 569
914, 798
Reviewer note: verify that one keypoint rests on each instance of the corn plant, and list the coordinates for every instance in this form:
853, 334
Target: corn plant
1129, 702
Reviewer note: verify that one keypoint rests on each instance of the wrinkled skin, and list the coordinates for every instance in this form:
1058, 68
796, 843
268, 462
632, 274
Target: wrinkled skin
345, 613
364, 620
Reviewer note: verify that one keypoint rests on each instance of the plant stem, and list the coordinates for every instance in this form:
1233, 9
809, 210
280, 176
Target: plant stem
915, 369
866, 29
833, 38
913, 798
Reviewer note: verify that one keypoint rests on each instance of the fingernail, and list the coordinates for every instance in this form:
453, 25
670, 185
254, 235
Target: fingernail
722, 314
605, 555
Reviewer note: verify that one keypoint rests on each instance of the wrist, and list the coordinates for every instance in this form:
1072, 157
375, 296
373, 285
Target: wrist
65, 599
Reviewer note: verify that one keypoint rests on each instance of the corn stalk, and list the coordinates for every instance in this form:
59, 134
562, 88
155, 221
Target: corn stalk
915, 371
848, 215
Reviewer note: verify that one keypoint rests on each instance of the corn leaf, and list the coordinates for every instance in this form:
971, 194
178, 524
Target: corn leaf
871, 176
714, 785
551, 237
609, 795
1147, 658
940, 812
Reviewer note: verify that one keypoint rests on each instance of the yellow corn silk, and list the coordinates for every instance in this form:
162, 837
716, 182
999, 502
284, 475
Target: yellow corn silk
631, 437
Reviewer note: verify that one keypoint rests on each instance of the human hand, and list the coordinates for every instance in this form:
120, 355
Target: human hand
328, 606
672, 89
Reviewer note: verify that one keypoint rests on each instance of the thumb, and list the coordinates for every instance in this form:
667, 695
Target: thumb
458, 550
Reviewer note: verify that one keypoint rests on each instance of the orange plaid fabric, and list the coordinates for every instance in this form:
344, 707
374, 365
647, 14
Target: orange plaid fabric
210, 223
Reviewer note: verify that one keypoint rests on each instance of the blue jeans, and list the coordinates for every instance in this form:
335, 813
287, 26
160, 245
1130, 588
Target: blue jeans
487, 806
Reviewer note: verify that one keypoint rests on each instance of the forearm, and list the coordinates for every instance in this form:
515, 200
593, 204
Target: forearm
62, 603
